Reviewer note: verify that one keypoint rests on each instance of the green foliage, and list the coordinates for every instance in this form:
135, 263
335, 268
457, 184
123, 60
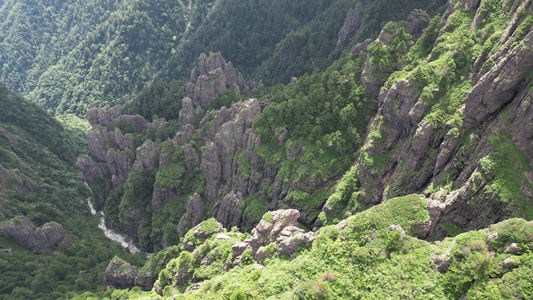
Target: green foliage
393, 242
476, 267
159, 99
39, 180
322, 117
238, 295
388, 55
138, 188
508, 164
516, 231
255, 209
452, 229
69, 56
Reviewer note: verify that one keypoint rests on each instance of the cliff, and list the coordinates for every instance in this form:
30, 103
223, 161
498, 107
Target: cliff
450, 124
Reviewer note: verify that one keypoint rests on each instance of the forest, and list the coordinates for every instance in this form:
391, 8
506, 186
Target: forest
333, 149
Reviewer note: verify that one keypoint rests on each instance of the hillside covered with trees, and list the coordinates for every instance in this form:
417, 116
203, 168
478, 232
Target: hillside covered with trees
71, 55
268, 150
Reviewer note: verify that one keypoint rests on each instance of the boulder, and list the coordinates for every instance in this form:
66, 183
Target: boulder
513, 248
239, 248
26, 234
120, 274
274, 222
275, 234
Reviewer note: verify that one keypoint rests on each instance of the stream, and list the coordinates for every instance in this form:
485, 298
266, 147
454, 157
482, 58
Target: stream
109, 233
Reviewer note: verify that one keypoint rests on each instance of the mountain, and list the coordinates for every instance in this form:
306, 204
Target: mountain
68, 56
402, 153
398, 166
50, 244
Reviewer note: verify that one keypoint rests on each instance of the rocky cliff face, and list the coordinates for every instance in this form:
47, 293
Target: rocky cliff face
223, 162
216, 75
458, 137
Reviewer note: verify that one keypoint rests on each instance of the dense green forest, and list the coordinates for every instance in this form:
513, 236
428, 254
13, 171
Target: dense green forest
327, 149
38, 180
69, 56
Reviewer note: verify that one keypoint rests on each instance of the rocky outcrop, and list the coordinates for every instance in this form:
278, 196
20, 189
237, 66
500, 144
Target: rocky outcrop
408, 152
103, 117
469, 5
276, 234
419, 20
216, 75
357, 49
193, 216
229, 210
146, 157
120, 274
501, 84
200, 232
351, 24
25, 233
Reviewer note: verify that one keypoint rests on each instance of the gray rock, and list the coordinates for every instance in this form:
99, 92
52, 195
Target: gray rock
186, 114
120, 274
194, 214
183, 135
221, 236
229, 210
419, 20
147, 153
499, 86
137, 122
24, 232
239, 248
118, 162
192, 160
469, 5
103, 117
99, 139
397, 228
513, 248
49, 236
144, 281
288, 245
357, 49
509, 263
216, 75
271, 226
351, 24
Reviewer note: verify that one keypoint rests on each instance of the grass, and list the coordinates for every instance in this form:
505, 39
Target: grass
509, 165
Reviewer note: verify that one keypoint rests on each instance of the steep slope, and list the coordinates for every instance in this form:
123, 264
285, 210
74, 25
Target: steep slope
448, 123
71, 55
373, 254
451, 122
43, 209
272, 41
218, 164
